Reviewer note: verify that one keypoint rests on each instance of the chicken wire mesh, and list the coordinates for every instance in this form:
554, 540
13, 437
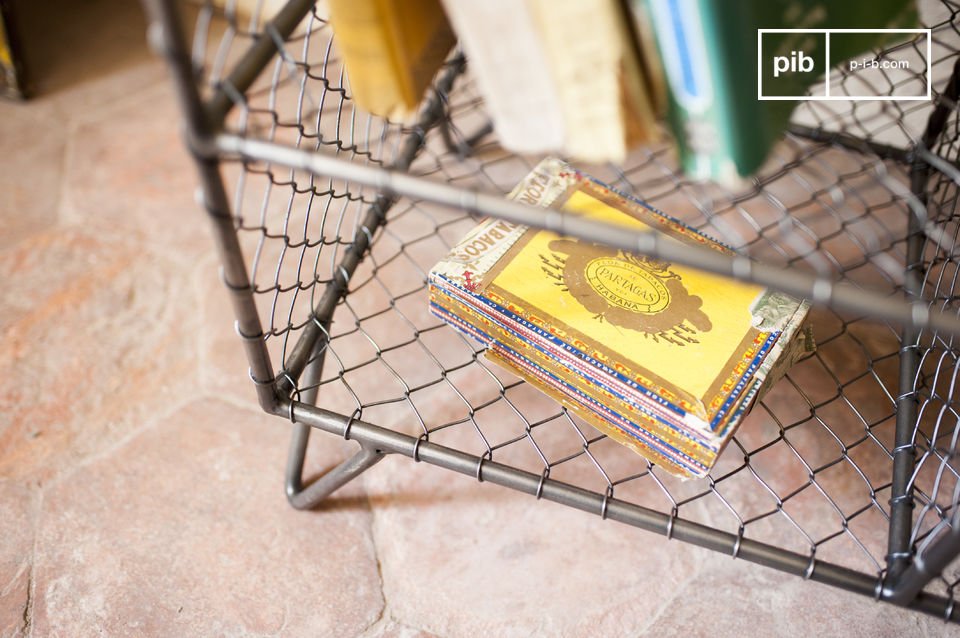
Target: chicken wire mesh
809, 471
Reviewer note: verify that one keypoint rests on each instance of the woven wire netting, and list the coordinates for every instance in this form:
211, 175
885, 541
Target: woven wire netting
810, 468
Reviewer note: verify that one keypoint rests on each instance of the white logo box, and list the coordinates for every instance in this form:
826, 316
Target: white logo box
829, 70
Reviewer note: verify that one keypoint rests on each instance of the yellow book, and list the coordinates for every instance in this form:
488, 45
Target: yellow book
391, 50
662, 357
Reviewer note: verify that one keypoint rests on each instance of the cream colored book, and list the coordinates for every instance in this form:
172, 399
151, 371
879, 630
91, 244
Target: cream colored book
595, 66
506, 56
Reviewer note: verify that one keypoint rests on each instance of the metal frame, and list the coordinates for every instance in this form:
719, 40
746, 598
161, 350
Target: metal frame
907, 574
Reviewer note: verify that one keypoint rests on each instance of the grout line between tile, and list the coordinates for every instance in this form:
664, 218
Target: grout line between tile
147, 425
681, 587
27, 627
241, 404
384, 616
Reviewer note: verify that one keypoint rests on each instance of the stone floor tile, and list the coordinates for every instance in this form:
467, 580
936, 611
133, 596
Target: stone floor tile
389, 628
184, 531
98, 337
460, 558
18, 509
32, 147
79, 103
127, 173
734, 598
68, 50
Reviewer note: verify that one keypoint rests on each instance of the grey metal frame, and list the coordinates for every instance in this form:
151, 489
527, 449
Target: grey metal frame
907, 573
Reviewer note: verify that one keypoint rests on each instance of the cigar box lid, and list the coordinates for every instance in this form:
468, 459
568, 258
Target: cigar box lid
694, 338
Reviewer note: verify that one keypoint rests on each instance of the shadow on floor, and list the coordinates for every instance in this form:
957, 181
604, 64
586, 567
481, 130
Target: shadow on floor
65, 42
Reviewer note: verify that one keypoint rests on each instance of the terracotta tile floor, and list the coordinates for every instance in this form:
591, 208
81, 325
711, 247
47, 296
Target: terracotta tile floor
141, 487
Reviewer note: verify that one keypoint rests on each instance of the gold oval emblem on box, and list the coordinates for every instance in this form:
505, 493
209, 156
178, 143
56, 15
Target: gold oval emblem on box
627, 285
629, 291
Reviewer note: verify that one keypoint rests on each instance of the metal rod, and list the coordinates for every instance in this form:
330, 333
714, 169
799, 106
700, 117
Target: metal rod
486, 470
838, 295
300, 436
946, 106
430, 115
904, 451
256, 58
462, 148
336, 478
845, 140
166, 36
906, 578
296, 456
935, 557
323, 312
304, 497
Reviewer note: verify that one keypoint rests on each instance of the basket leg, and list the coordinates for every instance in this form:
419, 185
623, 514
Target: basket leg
309, 496
924, 568
302, 496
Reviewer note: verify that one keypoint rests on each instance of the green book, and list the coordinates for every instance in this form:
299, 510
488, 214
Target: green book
709, 50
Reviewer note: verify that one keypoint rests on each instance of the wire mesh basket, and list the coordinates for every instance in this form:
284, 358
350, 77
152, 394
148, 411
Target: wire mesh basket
328, 219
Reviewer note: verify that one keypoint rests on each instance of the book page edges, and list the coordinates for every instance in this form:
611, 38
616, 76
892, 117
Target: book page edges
510, 65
